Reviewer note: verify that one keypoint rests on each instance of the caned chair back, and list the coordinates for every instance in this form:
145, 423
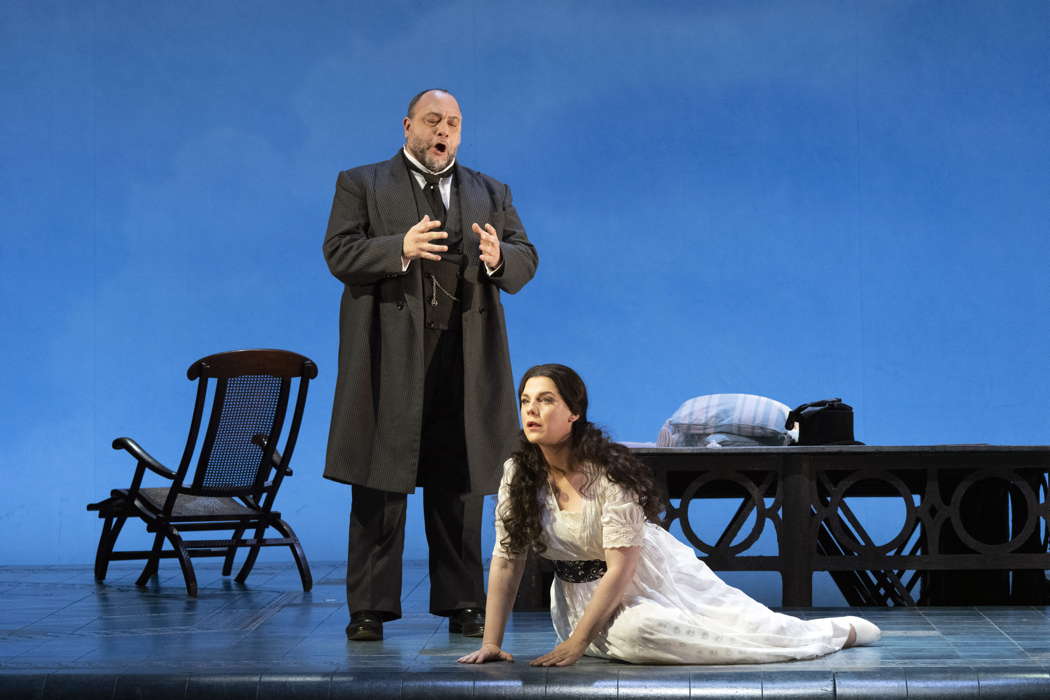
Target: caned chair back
250, 396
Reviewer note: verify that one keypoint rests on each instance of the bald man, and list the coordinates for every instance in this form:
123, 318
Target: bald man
424, 247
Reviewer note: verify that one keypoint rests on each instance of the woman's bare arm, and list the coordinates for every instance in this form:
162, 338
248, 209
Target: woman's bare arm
504, 577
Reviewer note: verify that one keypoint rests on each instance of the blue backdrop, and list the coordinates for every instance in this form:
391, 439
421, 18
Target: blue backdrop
795, 199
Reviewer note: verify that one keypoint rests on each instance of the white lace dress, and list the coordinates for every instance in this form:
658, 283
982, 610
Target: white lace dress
675, 610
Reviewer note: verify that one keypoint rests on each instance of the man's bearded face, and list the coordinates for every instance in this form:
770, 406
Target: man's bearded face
432, 131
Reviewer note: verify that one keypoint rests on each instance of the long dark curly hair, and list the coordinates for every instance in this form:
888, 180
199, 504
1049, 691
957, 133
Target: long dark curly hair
589, 445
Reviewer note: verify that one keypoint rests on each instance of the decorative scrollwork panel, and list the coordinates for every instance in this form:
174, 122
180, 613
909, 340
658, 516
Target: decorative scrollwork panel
759, 498
989, 511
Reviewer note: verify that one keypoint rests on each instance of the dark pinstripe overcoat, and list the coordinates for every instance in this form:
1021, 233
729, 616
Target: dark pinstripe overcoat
376, 416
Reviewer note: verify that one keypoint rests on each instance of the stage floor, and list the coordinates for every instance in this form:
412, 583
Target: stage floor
62, 635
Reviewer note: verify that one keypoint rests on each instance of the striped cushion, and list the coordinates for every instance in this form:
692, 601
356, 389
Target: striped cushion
758, 418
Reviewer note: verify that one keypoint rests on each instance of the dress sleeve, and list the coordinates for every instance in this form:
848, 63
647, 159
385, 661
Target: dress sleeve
623, 520
502, 502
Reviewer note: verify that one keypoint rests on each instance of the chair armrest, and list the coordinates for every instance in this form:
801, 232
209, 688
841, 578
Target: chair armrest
143, 457
275, 459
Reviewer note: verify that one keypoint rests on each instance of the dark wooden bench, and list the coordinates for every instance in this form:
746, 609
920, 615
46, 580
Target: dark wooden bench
974, 530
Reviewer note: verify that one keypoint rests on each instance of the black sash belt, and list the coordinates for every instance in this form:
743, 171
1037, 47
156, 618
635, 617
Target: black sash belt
582, 571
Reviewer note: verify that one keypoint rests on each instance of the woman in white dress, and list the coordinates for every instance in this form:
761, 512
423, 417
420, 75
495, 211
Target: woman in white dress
625, 588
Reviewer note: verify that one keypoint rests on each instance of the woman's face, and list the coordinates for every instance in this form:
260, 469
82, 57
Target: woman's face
545, 417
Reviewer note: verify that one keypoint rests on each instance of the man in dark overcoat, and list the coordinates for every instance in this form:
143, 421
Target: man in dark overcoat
424, 246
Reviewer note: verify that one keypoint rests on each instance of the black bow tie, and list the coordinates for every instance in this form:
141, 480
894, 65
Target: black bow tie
431, 178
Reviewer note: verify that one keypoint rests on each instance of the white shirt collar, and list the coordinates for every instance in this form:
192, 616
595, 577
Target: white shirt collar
447, 172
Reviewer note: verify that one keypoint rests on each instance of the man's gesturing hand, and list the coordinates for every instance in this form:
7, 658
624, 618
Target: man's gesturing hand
490, 254
419, 240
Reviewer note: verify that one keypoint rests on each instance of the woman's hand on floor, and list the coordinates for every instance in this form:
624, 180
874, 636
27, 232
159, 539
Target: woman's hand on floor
565, 654
487, 652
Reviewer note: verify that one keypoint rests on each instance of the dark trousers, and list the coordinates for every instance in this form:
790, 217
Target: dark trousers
452, 516
377, 540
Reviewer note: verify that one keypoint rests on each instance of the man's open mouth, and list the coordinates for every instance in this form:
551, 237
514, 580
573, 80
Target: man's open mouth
440, 147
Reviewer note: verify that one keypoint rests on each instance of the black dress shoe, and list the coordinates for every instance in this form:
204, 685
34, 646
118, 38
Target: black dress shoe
365, 626
470, 622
